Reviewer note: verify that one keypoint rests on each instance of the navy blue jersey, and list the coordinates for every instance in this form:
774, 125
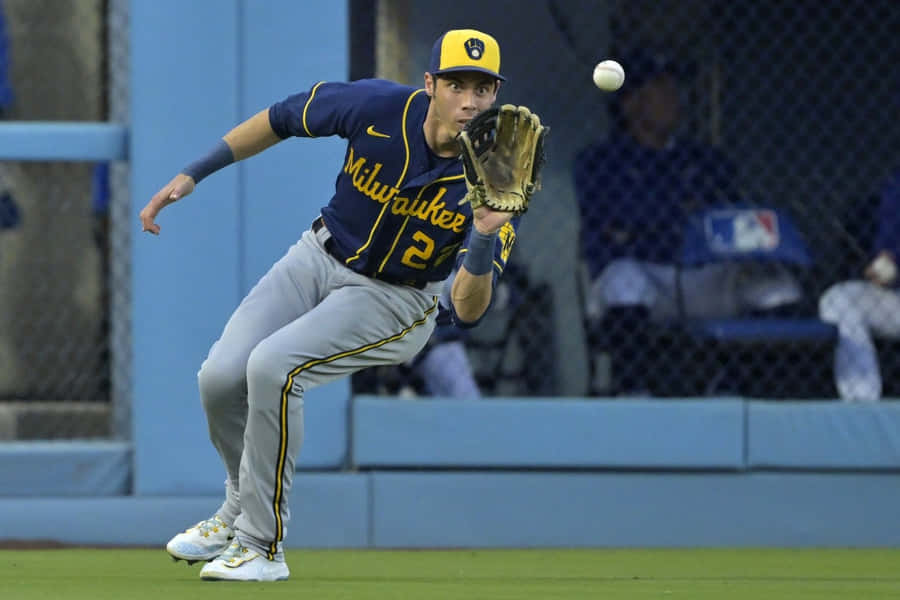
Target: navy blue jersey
396, 209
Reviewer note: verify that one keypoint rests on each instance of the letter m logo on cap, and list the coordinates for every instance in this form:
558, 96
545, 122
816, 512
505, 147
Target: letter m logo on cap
474, 48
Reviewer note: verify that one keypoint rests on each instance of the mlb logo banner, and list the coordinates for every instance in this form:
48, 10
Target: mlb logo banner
738, 231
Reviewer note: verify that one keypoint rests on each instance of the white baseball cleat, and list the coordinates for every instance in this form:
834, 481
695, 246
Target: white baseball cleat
204, 541
240, 563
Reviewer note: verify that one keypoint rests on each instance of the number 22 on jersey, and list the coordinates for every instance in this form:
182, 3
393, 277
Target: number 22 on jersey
418, 255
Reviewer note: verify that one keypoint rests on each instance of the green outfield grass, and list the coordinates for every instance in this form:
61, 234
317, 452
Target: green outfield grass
71, 574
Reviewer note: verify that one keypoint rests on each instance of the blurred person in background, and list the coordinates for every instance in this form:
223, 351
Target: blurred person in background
441, 369
443, 364
636, 190
516, 354
868, 307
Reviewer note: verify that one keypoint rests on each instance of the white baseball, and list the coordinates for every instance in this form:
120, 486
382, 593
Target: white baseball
609, 75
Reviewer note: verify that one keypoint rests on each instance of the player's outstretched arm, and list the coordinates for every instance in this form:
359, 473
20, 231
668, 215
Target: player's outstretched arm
502, 153
473, 285
250, 137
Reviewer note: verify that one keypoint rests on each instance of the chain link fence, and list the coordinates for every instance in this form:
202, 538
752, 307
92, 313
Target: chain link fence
751, 172
60, 291
690, 222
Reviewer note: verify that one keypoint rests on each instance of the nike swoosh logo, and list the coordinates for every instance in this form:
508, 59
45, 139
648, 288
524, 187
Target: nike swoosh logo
371, 131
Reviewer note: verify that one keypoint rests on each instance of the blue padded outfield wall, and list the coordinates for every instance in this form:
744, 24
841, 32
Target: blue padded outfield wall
193, 78
378, 472
523, 473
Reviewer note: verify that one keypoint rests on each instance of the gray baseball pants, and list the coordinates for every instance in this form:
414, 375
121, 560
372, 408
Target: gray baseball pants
308, 321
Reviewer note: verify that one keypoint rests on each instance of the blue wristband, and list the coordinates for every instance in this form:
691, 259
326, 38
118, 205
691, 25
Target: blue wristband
480, 255
220, 156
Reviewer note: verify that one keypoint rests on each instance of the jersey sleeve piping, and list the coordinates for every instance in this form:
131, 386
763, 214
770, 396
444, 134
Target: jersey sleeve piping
312, 95
406, 136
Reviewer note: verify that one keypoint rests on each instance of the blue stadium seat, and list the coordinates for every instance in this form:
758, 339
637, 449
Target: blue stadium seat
750, 234
761, 235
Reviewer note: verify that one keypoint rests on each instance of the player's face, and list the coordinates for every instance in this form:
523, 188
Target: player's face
456, 98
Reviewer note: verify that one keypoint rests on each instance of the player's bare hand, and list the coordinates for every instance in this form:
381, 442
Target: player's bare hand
180, 186
882, 270
488, 221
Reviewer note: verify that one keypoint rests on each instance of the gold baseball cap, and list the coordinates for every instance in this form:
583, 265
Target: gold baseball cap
466, 50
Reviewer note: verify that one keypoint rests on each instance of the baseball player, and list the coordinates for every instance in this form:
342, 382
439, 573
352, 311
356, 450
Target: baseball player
358, 289
866, 307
